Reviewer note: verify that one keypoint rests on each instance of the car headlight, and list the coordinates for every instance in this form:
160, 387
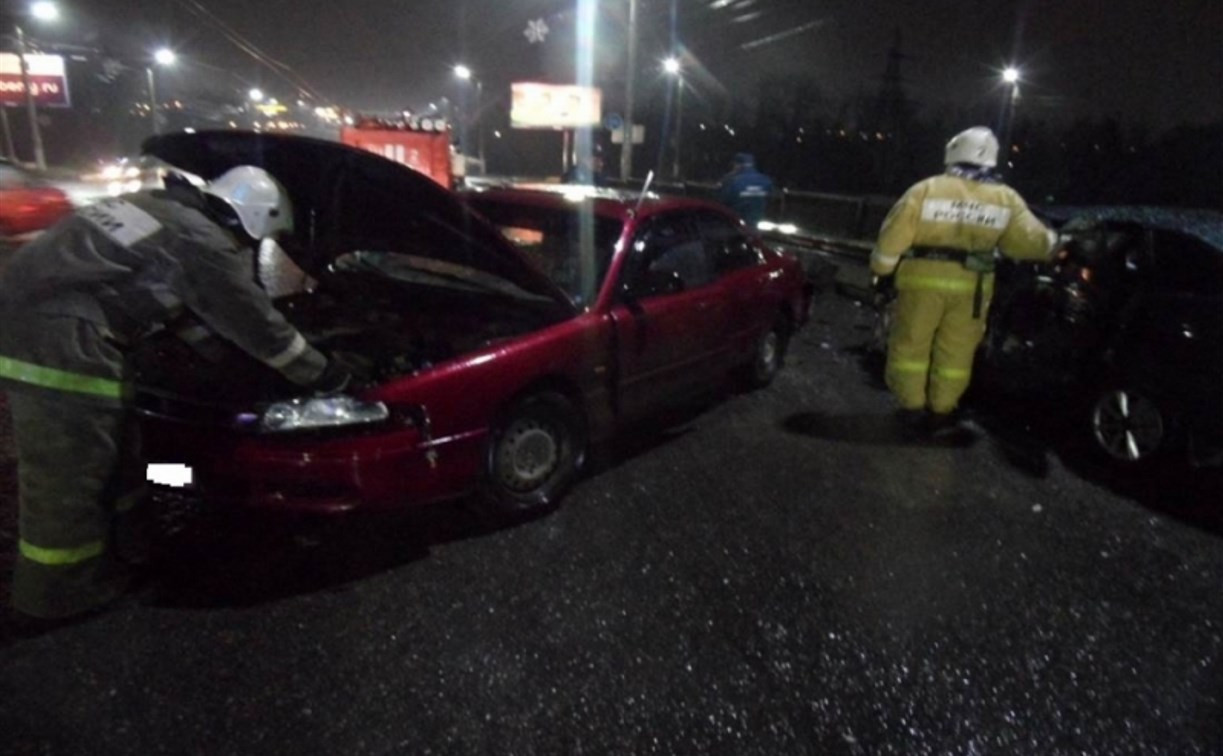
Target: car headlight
321, 412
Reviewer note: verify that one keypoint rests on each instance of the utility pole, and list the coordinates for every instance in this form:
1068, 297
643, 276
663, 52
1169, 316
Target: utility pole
1010, 80
679, 124
40, 158
626, 154
890, 117
480, 124
152, 100
163, 57
674, 69
9, 152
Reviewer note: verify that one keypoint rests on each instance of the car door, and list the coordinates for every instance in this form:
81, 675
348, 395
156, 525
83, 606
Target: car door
1174, 328
743, 282
668, 316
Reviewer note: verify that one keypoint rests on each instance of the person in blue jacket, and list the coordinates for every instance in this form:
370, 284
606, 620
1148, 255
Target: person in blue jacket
745, 189
587, 170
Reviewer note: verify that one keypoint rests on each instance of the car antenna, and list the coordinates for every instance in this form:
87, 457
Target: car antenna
649, 179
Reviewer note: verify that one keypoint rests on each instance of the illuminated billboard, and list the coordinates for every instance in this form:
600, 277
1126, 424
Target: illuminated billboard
48, 81
555, 106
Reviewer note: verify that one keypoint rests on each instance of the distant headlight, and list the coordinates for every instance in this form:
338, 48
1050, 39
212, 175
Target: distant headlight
116, 188
321, 412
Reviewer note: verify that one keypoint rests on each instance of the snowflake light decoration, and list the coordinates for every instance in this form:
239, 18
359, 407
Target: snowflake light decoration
536, 31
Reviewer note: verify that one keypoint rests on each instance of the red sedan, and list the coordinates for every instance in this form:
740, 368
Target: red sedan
497, 333
26, 204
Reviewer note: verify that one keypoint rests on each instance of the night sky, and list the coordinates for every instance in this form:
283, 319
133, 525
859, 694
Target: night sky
1146, 61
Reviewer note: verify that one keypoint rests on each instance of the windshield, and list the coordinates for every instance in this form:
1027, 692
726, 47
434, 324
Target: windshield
431, 272
573, 247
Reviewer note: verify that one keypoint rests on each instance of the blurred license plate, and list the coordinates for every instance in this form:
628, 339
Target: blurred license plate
169, 474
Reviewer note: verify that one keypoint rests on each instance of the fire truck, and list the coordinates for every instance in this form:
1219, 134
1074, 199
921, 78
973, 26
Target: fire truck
421, 143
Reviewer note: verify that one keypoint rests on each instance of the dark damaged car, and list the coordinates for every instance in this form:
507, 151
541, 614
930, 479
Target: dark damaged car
495, 335
1130, 325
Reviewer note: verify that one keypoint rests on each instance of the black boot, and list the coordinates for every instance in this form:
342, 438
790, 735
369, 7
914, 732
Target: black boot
939, 424
15, 625
911, 423
949, 429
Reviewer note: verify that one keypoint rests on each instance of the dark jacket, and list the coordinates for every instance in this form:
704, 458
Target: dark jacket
746, 191
73, 299
583, 174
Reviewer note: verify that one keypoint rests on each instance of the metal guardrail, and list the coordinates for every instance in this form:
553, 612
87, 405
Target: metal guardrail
836, 223
831, 224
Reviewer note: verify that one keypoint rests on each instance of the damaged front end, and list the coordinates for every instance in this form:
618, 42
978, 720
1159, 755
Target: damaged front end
378, 330
253, 438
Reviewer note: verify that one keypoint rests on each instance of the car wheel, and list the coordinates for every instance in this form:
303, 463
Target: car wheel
535, 454
768, 356
1128, 426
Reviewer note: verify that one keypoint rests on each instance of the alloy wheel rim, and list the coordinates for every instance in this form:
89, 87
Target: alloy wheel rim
1128, 426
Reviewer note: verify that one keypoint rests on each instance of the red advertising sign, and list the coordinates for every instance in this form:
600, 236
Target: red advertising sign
425, 151
48, 81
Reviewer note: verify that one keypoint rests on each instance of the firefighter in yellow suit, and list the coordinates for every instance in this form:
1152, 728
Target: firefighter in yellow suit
939, 243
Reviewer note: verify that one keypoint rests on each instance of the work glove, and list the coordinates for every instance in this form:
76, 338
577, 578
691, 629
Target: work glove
884, 288
334, 379
1062, 248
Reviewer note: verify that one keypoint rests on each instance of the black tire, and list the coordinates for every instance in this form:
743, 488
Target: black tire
1130, 427
536, 451
768, 356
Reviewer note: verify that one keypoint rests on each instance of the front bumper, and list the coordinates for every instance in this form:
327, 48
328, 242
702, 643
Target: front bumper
387, 469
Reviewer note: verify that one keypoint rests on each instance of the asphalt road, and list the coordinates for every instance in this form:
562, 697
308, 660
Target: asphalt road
779, 573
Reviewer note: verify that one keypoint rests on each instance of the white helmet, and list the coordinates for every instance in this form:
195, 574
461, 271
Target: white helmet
977, 145
259, 201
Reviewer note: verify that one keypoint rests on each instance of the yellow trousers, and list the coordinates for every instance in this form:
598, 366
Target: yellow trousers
934, 335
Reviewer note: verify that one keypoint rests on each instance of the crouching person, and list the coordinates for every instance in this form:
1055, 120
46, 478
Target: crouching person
71, 303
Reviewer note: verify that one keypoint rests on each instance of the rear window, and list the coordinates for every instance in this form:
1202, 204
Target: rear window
573, 248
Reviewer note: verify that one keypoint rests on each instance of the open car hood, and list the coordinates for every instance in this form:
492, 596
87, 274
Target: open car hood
347, 199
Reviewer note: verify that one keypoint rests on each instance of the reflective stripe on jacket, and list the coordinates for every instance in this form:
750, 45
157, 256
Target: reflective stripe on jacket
959, 213
59, 380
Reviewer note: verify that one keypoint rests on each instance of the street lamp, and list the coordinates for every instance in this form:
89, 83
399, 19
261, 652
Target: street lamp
45, 11
672, 67
1010, 80
40, 11
163, 57
255, 95
465, 74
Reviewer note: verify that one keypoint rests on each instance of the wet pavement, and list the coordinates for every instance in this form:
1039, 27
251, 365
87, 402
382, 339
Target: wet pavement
780, 572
